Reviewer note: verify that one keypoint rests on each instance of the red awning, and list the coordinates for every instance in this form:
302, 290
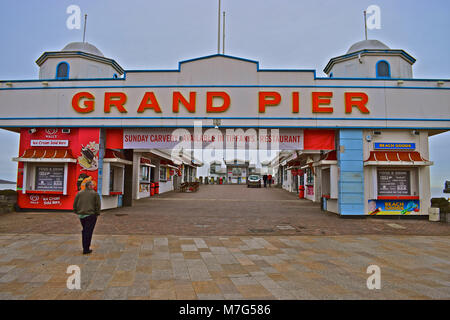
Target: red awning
145, 161
396, 157
293, 163
46, 155
318, 139
115, 156
330, 156
112, 154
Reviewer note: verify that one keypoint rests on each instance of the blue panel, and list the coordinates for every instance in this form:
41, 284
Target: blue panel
352, 144
101, 154
349, 187
350, 198
351, 174
353, 155
355, 134
351, 209
351, 165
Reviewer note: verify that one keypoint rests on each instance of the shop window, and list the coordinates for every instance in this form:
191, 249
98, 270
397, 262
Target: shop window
45, 177
186, 174
62, 70
394, 182
145, 173
49, 178
116, 178
309, 176
162, 174
383, 69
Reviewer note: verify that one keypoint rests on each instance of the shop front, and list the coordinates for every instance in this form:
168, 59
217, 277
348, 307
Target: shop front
357, 142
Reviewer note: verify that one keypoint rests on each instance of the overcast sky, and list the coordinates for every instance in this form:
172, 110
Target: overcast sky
152, 34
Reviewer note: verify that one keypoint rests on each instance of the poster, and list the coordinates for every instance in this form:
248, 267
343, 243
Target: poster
49, 178
397, 207
394, 182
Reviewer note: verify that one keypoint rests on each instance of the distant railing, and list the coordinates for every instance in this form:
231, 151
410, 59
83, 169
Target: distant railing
189, 186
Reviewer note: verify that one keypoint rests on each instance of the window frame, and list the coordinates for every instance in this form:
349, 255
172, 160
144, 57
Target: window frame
68, 70
163, 177
388, 69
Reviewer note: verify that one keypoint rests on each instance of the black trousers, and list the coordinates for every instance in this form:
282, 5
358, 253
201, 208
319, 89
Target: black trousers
88, 224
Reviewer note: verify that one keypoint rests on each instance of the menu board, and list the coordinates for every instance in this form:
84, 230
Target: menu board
394, 182
49, 178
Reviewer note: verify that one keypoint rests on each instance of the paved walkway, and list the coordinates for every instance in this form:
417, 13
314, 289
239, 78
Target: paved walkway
33, 266
218, 210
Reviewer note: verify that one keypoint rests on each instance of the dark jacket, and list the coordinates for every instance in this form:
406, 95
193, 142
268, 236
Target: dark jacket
87, 202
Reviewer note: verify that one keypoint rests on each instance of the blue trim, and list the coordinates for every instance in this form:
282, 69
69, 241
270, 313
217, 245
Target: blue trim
246, 60
44, 56
57, 69
225, 86
382, 79
222, 126
229, 118
389, 69
48, 80
258, 69
356, 53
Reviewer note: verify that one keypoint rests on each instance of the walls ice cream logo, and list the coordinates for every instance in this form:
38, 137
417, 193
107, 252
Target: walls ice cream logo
34, 199
88, 159
51, 131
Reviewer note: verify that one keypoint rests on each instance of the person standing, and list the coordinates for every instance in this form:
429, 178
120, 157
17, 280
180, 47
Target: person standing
265, 180
87, 206
269, 179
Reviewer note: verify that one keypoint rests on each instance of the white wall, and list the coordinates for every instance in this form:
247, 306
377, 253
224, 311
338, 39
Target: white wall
79, 68
352, 68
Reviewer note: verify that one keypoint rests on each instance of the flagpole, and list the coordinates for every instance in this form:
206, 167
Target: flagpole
84, 32
218, 30
365, 24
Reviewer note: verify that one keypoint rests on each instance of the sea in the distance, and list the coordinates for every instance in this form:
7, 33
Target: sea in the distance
4, 186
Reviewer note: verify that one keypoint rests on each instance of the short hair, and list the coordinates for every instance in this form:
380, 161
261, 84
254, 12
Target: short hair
88, 184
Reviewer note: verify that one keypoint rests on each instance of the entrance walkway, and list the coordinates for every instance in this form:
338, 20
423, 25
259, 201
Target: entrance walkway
277, 267
223, 242
219, 210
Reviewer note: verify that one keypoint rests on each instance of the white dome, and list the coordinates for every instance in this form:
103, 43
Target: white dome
84, 47
367, 44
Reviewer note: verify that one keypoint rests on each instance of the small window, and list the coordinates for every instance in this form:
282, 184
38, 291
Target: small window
331, 75
49, 178
145, 173
62, 70
309, 176
162, 174
115, 76
383, 69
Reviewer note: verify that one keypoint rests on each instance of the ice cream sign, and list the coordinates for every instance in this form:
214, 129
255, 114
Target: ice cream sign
49, 143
